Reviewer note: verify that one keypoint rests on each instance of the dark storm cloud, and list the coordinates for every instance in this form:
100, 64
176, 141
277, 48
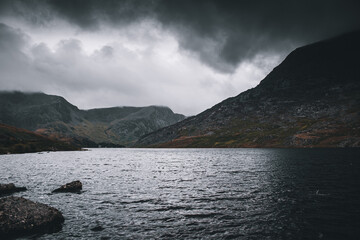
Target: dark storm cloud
249, 27
87, 14
221, 33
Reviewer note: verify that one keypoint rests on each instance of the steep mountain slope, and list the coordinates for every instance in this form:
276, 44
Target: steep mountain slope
53, 116
31, 110
17, 140
312, 99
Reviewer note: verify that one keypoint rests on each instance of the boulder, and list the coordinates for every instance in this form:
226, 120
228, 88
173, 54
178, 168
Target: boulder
10, 188
20, 216
75, 186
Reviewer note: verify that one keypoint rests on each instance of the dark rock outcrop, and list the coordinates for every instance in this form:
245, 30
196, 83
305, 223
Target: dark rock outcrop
75, 187
10, 188
20, 216
312, 99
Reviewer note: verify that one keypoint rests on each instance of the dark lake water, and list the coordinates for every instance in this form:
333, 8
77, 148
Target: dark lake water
196, 193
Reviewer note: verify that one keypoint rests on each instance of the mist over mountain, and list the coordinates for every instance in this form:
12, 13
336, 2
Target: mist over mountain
55, 117
311, 99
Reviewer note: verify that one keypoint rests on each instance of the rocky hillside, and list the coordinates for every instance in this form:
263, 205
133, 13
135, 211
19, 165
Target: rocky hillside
312, 99
16, 140
53, 116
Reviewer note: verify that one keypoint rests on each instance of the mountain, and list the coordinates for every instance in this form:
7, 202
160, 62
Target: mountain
17, 140
312, 99
55, 117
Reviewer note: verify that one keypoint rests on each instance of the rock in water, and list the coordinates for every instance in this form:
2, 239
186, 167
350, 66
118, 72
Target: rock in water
97, 229
10, 188
20, 216
75, 186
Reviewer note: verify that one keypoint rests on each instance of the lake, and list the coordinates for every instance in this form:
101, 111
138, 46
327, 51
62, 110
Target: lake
196, 193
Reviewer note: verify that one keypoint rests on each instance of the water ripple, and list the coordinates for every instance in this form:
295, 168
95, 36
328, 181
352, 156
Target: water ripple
196, 193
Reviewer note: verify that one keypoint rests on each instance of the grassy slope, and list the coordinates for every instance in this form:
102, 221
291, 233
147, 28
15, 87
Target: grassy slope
17, 140
267, 136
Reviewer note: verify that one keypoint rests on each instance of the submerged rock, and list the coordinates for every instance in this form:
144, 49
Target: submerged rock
10, 188
97, 229
20, 216
75, 186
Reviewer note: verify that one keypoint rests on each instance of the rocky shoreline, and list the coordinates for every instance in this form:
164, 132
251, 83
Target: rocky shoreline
20, 216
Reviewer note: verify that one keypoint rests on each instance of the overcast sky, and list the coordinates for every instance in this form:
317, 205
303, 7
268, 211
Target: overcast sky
188, 55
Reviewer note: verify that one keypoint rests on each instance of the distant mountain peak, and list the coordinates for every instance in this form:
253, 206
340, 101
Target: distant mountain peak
54, 116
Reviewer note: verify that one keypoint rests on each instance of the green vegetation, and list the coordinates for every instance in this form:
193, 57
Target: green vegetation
255, 133
16, 140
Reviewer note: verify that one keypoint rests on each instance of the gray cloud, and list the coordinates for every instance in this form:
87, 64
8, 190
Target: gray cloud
153, 73
221, 33
14, 64
185, 54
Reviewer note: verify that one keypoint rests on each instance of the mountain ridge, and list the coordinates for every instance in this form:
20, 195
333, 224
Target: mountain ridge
311, 99
55, 117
